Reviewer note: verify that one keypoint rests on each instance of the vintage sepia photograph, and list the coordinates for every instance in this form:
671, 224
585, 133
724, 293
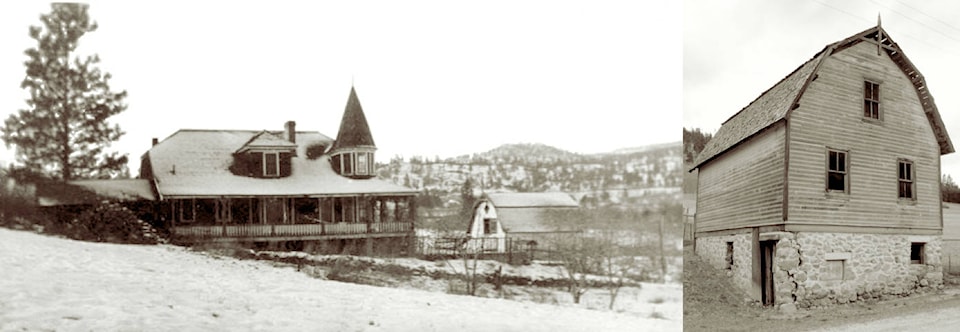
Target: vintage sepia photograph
818, 189
355, 166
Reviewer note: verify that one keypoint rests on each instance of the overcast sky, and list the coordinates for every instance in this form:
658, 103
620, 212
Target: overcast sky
434, 77
734, 51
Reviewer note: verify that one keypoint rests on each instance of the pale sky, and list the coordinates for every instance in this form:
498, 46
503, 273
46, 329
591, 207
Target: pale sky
434, 77
733, 51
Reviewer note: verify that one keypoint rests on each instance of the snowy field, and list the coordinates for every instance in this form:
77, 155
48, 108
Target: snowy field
49, 283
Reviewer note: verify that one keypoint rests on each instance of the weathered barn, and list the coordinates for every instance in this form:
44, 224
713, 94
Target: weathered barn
825, 189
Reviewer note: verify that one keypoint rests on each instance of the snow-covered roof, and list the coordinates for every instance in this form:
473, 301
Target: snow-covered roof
548, 199
268, 140
196, 163
531, 212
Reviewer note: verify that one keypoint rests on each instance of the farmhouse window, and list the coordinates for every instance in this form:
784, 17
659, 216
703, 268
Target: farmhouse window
905, 180
361, 164
916, 253
347, 163
871, 100
836, 171
271, 164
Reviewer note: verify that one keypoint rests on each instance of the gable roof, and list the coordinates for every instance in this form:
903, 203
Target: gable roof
267, 140
196, 163
531, 212
354, 130
775, 104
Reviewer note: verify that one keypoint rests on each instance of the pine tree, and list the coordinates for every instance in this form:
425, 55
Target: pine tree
466, 195
65, 131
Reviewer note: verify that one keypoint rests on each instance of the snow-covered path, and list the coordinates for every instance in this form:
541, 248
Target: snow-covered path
48, 283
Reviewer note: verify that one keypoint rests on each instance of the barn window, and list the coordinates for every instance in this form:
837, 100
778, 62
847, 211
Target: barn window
271, 164
871, 100
489, 226
837, 179
916, 253
729, 257
905, 177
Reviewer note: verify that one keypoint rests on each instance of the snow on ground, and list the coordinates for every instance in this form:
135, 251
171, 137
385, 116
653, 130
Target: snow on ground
49, 283
646, 299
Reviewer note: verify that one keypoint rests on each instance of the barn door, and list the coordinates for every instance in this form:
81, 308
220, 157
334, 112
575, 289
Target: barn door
766, 271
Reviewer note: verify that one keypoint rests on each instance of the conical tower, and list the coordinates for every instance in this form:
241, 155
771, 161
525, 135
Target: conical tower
352, 154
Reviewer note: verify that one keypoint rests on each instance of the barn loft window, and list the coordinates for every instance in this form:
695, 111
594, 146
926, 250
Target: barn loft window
271, 164
489, 226
837, 171
905, 177
871, 100
916, 253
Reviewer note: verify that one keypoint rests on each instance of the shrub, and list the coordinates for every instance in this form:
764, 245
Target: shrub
111, 222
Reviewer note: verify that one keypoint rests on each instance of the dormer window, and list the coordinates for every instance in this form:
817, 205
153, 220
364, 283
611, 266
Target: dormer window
266, 155
271, 164
357, 164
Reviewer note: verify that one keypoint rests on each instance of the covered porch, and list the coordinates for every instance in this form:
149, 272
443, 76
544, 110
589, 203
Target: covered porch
195, 219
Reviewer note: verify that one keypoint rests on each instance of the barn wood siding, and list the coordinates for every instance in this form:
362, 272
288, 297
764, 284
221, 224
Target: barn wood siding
744, 186
831, 116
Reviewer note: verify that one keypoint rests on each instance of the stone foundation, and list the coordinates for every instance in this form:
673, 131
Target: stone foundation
819, 269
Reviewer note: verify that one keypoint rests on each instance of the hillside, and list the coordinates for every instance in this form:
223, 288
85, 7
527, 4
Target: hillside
56, 284
537, 168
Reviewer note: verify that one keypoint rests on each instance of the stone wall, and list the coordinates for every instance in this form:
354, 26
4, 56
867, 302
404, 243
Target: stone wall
713, 250
820, 269
817, 269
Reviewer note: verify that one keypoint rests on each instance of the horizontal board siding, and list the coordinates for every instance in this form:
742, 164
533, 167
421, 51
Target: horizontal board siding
744, 186
831, 116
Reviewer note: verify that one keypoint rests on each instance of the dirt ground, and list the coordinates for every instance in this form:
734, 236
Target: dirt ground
711, 303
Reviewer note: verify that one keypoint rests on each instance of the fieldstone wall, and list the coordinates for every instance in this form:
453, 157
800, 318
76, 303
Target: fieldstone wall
822, 269
818, 269
713, 250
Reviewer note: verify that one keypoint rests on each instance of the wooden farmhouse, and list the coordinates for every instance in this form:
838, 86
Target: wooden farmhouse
285, 186
519, 216
826, 188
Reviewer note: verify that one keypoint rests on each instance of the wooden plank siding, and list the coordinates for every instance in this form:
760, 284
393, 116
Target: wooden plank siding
830, 115
744, 186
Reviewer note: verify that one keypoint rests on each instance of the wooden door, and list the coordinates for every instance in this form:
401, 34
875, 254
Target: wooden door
766, 271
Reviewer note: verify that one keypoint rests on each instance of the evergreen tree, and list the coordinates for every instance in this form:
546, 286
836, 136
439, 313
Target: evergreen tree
466, 195
694, 141
64, 132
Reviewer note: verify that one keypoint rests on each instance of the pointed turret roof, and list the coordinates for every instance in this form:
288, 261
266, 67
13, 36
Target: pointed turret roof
354, 130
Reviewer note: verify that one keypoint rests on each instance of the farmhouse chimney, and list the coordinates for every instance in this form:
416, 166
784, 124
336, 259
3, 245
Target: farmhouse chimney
154, 142
290, 128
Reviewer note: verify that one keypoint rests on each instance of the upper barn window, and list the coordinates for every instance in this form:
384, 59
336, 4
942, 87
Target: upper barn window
871, 100
837, 171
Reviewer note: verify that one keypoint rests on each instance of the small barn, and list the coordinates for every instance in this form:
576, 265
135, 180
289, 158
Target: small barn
520, 217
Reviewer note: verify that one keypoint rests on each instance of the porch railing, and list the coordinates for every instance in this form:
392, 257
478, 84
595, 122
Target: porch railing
288, 230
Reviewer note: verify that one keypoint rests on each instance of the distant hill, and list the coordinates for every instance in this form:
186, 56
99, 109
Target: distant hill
539, 167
